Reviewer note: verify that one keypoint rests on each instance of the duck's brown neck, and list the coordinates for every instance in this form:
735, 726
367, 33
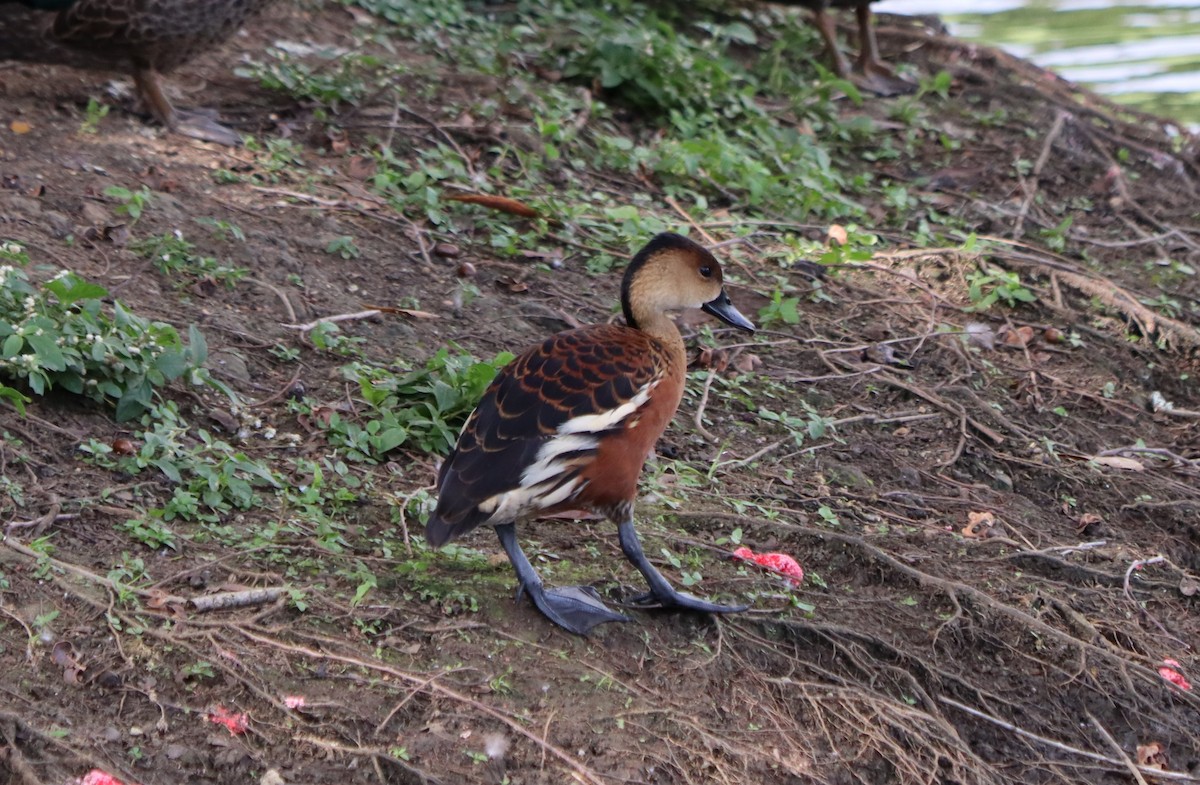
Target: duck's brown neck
663, 328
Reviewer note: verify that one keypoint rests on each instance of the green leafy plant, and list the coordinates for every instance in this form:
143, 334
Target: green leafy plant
341, 78
423, 409
60, 335
209, 475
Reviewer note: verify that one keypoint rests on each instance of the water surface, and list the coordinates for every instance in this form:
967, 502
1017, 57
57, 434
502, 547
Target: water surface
1144, 53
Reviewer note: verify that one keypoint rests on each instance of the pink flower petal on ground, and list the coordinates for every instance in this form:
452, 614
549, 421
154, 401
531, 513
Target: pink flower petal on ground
235, 722
1174, 676
778, 562
97, 777
294, 701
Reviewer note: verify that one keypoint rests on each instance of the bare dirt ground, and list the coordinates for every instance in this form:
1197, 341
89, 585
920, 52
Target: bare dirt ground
1000, 522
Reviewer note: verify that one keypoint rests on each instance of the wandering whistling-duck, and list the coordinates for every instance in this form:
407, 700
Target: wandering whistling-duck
568, 424
150, 37
876, 76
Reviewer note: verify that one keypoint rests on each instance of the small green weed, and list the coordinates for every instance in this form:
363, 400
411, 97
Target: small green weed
686, 577
132, 203
811, 426
94, 113
199, 671
988, 285
223, 229
780, 309
343, 247
172, 255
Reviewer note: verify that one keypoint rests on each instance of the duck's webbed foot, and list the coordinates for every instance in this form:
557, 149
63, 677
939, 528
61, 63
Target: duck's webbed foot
201, 124
662, 594
194, 123
576, 609
680, 600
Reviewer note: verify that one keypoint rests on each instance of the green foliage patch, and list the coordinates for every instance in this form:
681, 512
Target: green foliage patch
423, 409
60, 335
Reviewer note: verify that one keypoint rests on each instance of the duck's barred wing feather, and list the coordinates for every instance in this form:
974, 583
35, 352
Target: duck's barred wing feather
92, 23
581, 377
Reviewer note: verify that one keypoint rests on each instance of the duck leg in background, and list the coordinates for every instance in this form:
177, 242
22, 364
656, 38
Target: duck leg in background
872, 75
194, 123
662, 594
576, 609
876, 75
828, 30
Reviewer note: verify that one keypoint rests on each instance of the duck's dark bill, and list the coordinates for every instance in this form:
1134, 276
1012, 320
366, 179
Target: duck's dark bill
723, 309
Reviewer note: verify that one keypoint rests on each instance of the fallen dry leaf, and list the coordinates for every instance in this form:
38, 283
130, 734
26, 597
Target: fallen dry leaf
410, 312
1086, 520
1021, 336
1119, 462
1152, 755
512, 284
500, 203
360, 167
714, 359
978, 524
319, 419
747, 363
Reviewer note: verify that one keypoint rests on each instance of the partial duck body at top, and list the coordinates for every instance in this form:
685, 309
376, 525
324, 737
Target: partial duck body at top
146, 37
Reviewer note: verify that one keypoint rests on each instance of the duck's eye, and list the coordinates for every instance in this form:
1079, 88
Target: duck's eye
706, 271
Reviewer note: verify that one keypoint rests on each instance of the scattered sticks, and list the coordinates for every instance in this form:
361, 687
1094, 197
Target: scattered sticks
341, 317
1031, 190
234, 599
1174, 776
